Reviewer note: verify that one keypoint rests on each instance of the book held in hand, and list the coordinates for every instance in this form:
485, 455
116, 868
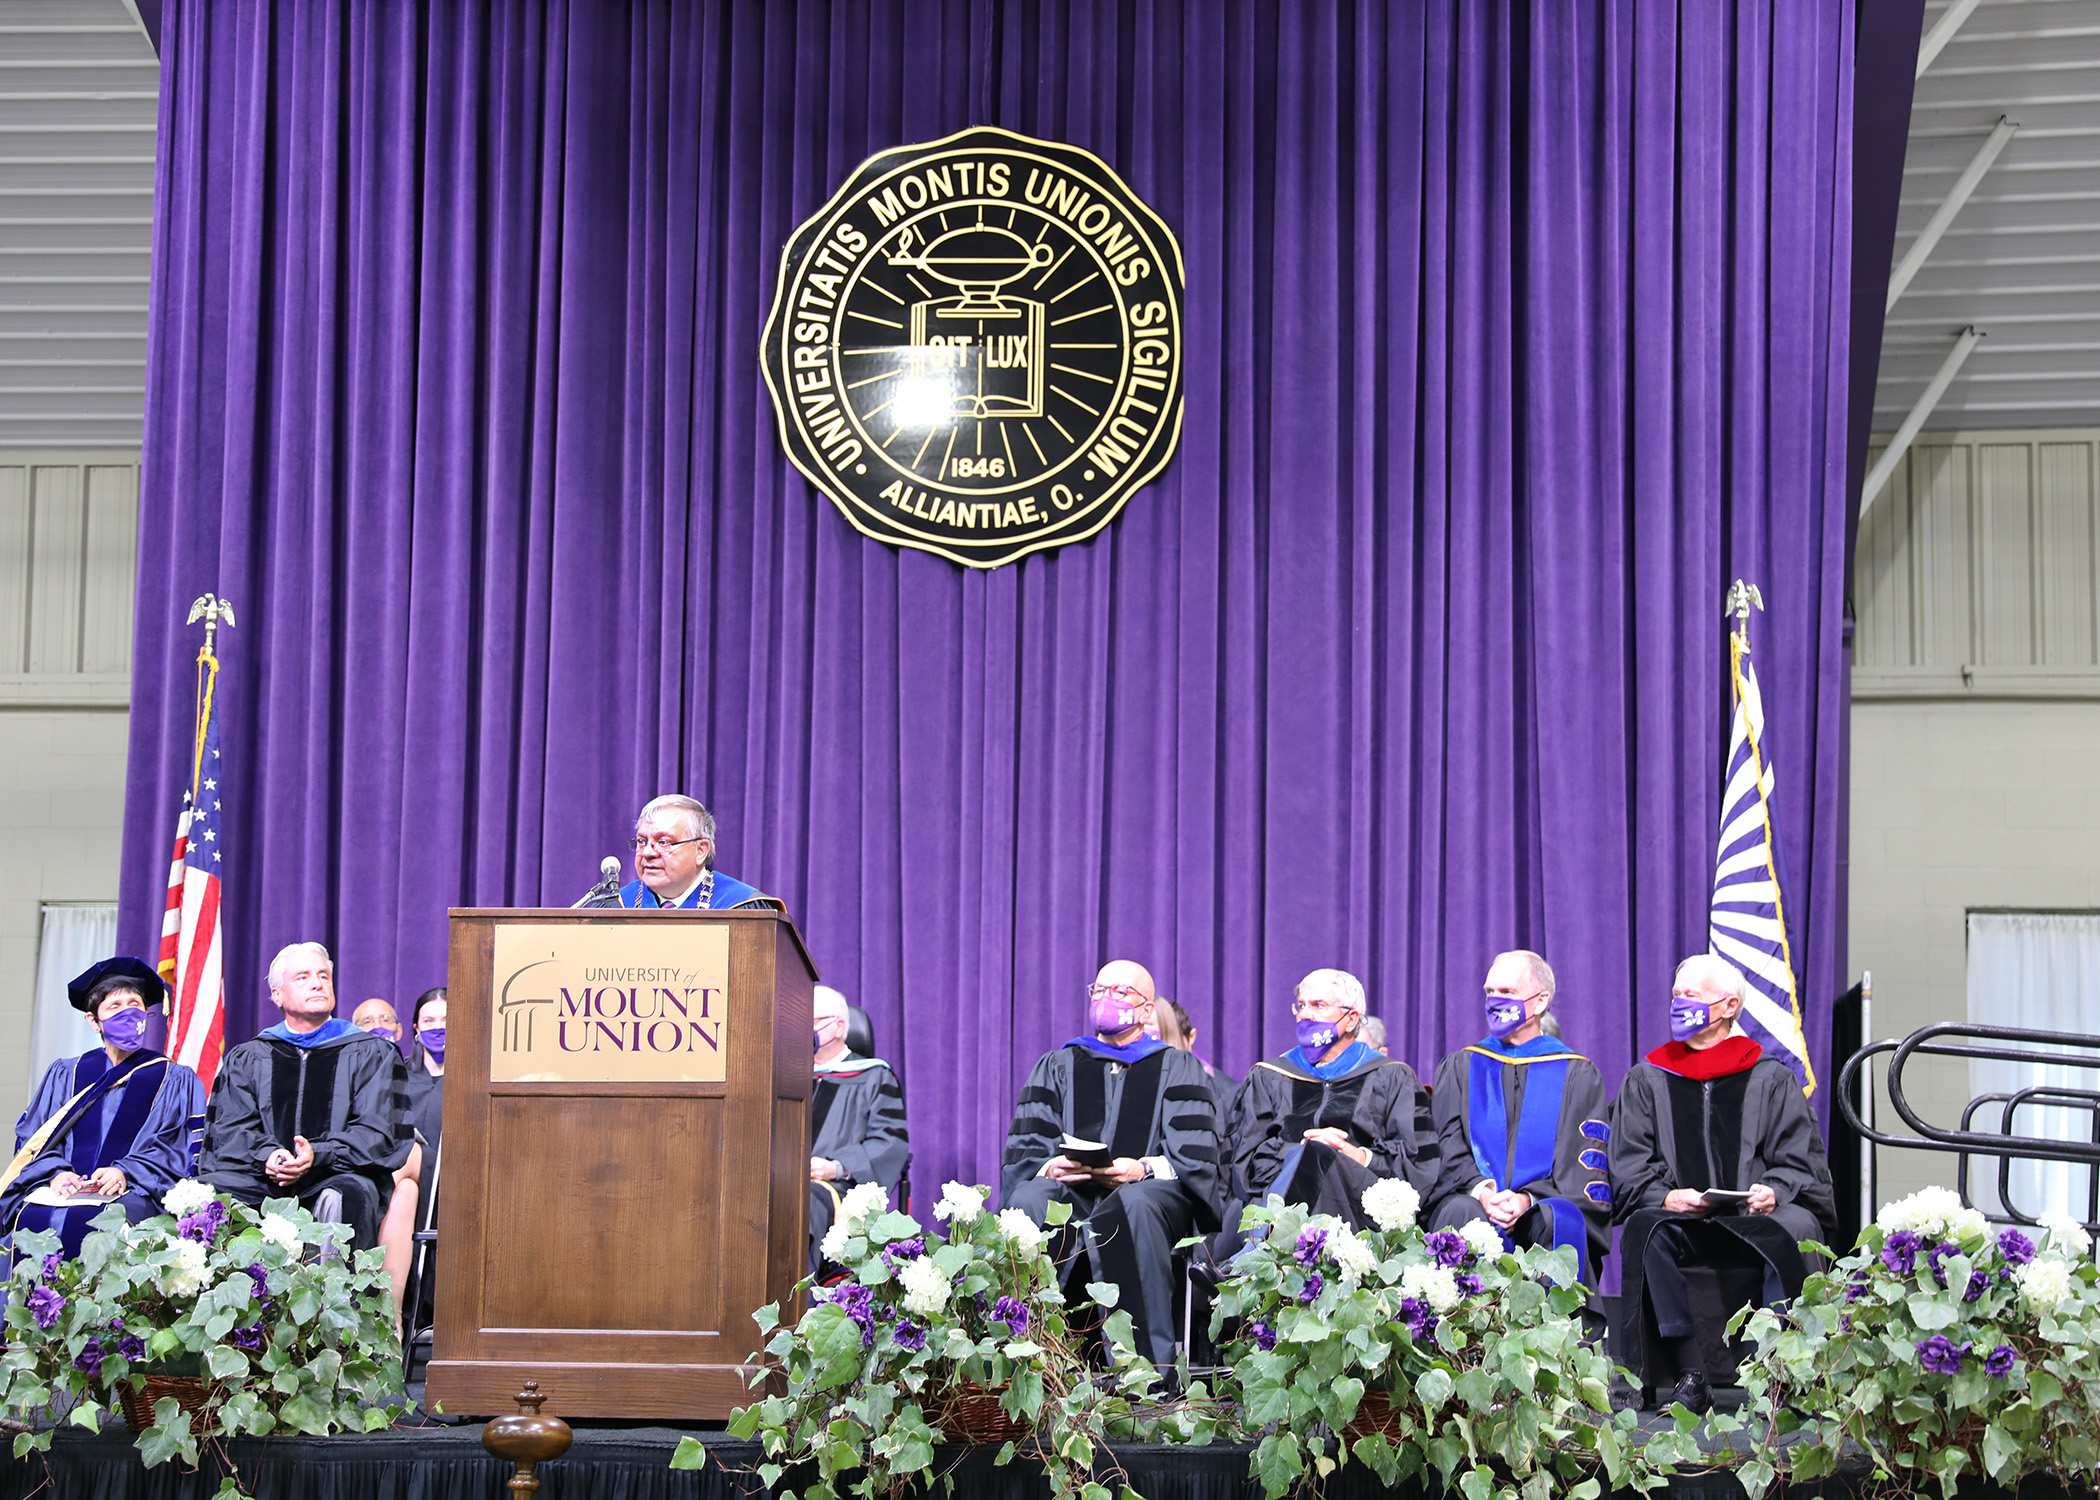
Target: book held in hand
1086, 1153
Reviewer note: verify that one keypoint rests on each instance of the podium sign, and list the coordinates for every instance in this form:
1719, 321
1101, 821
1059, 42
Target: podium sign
626, 1156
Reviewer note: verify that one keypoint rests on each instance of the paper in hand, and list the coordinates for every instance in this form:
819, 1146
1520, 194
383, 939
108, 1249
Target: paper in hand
1086, 1153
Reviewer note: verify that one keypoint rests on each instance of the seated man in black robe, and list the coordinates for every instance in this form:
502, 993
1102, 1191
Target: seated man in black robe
1715, 1161
857, 1132
1150, 1106
1331, 1116
110, 1126
1520, 1124
312, 1107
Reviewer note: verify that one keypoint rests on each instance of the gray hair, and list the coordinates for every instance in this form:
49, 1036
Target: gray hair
1717, 971
1373, 1032
1351, 989
1541, 971
703, 820
284, 959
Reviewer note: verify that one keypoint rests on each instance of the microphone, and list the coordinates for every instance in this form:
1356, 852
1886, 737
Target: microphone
608, 882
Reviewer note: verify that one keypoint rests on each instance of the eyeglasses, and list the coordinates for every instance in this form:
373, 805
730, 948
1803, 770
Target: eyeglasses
1122, 992
661, 843
1307, 1007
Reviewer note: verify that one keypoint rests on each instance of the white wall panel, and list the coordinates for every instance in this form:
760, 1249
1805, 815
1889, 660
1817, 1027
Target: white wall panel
68, 556
1978, 567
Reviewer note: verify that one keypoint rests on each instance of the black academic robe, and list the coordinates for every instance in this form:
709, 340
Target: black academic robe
1580, 1170
347, 1095
856, 1118
1379, 1102
1669, 1130
1171, 1114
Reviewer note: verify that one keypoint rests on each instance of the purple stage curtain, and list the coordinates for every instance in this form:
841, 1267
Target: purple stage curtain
1515, 332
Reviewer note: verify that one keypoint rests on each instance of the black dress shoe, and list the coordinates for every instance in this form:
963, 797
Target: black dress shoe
1693, 1393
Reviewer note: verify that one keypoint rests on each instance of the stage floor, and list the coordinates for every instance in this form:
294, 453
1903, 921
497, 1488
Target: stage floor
610, 1461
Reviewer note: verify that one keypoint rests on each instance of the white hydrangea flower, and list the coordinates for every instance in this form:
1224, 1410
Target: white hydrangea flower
2044, 1281
2066, 1235
1436, 1285
185, 1278
1485, 1239
925, 1286
1392, 1203
1351, 1254
1931, 1211
862, 1204
1021, 1229
187, 1196
959, 1203
279, 1230
834, 1245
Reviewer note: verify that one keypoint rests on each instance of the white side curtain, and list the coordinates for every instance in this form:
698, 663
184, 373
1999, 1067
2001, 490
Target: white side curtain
73, 937
2040, 971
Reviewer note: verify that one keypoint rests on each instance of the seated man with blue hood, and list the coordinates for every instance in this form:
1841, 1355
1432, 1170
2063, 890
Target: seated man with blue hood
312, 1108
674, 863
1520, 1123
113, 1125
1153, 1180
1331, 1116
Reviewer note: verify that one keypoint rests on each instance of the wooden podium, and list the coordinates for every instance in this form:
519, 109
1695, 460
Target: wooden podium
626, 1169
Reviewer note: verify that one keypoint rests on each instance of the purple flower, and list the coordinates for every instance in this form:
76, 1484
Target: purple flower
1013, 1314
1449, 1247
203, 1225
89, 1360
116, 1325
1899, 1252
1264, 1336
1419, 1318
132, 1348
45, 1305
1310, 1244
1939, 1256
2000, 1361
51, 1267
1857, 1288
1469, 1284
1979, 1283
1939, 1355
2017, 1250
856, 1302
260, 1275
1310, 1292
910, 1249
909, 1335
249, 1338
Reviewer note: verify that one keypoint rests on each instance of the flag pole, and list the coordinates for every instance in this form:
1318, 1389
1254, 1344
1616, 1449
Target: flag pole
211, 609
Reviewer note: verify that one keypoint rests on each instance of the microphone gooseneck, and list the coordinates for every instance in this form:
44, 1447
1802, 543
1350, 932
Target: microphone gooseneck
608, 882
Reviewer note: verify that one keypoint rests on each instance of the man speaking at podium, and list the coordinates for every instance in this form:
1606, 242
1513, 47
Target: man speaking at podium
674, 863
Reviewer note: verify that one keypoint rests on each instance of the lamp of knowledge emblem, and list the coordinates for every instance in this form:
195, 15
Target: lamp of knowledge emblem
976, 346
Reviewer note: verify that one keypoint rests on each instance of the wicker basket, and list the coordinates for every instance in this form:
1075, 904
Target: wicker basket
1374, 1414
192, 1394
972, 1414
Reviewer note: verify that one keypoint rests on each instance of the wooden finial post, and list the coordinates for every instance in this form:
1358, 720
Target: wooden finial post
527, 1440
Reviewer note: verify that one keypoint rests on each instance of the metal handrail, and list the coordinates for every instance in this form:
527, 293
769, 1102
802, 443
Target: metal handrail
2022, 1046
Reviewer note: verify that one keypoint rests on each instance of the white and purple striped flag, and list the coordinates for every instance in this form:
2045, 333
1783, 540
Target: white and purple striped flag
1746, 922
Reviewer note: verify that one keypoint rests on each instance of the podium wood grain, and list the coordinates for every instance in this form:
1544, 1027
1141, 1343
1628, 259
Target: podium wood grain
611, 1240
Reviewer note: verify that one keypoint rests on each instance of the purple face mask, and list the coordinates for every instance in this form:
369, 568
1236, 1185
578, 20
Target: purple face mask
391, 1033
126, 1030
1688, 1018
433, 1040
1112, 1015
1504, 1016
1317, 1036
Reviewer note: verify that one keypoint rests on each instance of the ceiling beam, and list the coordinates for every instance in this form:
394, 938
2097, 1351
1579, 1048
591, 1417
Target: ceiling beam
1959, 194
1927, 400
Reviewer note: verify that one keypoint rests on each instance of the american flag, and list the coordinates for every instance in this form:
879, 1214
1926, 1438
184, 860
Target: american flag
189, 933
1746, 922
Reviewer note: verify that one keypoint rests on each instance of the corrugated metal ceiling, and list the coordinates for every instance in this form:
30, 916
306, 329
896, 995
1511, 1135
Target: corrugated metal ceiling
78, 94
2021, 262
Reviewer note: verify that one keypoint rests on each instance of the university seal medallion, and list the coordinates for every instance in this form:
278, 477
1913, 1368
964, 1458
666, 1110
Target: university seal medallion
975, 348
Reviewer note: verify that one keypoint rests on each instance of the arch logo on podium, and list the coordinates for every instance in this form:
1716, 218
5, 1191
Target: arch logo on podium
976, 346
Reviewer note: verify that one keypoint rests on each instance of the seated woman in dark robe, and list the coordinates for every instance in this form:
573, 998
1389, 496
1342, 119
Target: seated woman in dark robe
111, 1126
1715, 1162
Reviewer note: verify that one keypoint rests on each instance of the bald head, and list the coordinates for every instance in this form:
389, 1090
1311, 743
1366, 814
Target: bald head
1123, 997
1126, 974
377, 1016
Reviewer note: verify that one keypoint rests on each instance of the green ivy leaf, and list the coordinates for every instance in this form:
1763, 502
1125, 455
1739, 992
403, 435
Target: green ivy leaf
691, 1454
1104, 1293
